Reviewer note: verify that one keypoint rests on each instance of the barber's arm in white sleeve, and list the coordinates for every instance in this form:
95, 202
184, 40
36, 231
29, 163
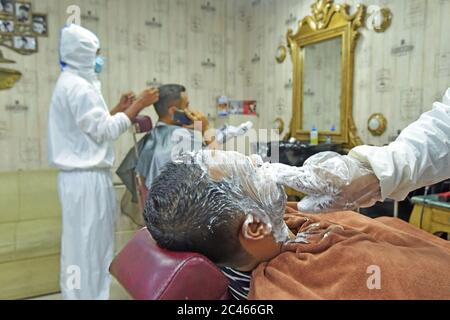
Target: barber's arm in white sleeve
419, 157
94, 119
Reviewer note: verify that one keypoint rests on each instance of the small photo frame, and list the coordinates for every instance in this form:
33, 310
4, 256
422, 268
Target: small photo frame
6, 8
39, 25
25, 43
7, 26
23, 12
250, 108
236, 107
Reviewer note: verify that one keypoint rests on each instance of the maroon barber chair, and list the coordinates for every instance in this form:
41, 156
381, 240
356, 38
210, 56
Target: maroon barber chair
148, 272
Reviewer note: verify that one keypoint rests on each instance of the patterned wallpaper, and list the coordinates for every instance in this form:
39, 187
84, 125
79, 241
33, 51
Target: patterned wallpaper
146, 42
399, 73
225, 47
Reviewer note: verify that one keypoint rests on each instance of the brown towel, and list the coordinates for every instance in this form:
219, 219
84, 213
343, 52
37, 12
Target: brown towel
342, 246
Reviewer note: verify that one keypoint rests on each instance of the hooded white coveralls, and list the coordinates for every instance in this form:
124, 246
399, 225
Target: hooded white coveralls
419, 157
81, 131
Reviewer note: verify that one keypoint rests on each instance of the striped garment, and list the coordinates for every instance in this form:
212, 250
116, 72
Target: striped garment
239, 286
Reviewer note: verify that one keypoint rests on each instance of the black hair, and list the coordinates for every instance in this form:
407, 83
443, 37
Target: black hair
169, 95
187, 211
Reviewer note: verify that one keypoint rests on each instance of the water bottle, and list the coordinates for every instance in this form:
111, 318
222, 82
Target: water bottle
314, 137
329, 138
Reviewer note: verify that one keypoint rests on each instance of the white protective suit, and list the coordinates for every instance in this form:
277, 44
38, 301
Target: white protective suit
81, 131
419, 157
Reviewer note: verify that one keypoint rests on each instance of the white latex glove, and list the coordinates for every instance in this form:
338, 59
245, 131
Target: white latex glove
332, 182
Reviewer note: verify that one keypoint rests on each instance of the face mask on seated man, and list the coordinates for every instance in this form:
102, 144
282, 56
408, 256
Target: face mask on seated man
219, 204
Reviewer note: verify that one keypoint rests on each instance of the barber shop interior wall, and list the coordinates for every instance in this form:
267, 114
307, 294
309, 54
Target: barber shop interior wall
399, 73
225, 47
146, 42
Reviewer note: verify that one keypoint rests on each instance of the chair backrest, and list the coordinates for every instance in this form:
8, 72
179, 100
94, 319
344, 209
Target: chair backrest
143, 124
148, 272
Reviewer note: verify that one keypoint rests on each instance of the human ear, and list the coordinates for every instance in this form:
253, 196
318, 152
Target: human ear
172, 110
254, 229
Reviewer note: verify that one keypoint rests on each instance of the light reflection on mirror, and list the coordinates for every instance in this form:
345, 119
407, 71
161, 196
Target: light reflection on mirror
322, 83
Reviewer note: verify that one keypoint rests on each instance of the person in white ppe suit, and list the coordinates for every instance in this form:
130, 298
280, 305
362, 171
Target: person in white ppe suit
419, 157
80, 135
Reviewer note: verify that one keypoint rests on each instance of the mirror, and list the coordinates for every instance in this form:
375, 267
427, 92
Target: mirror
322, 78
322, 51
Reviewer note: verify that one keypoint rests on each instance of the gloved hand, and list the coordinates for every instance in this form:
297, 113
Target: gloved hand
332, 182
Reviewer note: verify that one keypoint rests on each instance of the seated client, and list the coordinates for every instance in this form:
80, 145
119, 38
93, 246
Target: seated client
227, 207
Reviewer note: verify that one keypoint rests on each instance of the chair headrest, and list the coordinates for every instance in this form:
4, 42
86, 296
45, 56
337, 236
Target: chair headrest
149, 272
143, 124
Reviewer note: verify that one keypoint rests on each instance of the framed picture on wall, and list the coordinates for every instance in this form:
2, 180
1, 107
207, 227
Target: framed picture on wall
25, 44
39, 26
6, 8
6, 27
23, 12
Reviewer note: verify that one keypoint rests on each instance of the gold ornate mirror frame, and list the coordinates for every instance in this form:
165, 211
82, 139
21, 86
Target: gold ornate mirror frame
328, 21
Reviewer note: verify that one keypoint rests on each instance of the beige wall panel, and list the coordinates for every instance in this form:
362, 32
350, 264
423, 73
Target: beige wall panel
28, 278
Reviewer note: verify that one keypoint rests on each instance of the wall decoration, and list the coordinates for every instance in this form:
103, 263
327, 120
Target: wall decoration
415, 13
23, 12
90, 17
162, 6
208, 7
208, 63
25, 43
410, 103
442, 64
379, 19
153, 23
196, 81
377, 124
384, 81
40, 25
7, 27
155, 83
19, 31
281, 54
196, 25
288, 85
236, 107
140, 41
8, 77
256, 58
403, 49
163, 62
17, 107
243, 107
256, 3
29, 150
215, 44
6, 7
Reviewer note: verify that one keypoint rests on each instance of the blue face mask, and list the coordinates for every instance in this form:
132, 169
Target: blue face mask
99, 63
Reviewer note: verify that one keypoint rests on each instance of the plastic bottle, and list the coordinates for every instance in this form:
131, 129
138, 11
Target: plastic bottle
314, 137
329, 138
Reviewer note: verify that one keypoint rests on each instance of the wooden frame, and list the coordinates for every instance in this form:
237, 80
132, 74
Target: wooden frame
45, 18
328, 21
10, 19
30, 12
8, 15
